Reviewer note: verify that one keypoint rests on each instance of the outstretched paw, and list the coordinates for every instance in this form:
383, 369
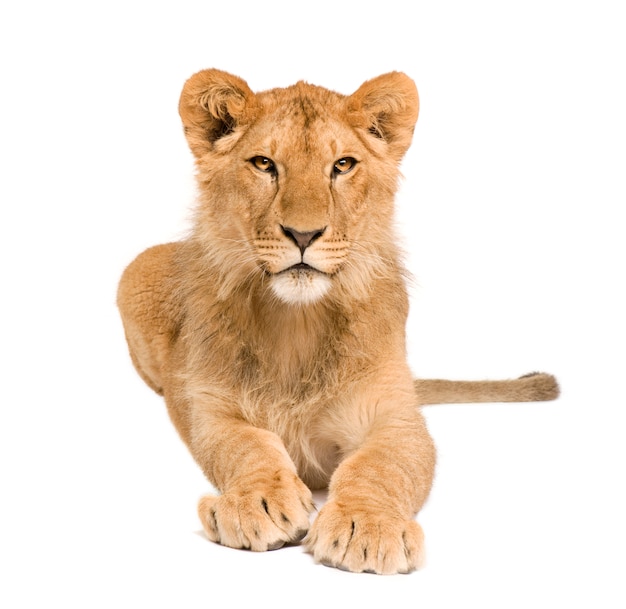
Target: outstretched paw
365, 540
265, 516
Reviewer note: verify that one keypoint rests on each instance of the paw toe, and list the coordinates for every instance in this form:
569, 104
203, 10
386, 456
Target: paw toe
362, 541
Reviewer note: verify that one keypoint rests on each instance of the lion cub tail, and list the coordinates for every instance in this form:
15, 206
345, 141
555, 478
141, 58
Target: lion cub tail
533, 387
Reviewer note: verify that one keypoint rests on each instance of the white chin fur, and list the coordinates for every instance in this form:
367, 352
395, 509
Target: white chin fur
300, 286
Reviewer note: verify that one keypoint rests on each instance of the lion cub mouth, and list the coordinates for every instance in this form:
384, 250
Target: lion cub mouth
300, 284
301, 266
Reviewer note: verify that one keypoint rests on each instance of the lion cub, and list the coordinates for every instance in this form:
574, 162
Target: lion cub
276, 330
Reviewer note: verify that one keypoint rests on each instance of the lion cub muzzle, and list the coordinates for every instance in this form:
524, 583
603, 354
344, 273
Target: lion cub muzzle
302, 282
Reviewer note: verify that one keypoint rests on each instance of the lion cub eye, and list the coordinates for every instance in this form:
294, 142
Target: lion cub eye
262, 163
344, 165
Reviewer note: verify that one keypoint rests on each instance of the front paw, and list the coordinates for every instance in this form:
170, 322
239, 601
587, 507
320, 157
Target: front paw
360, 539
261, 516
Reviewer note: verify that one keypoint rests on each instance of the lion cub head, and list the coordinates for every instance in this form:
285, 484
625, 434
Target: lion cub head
297, 184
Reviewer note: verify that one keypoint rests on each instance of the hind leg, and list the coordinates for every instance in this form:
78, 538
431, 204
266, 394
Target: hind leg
149, 312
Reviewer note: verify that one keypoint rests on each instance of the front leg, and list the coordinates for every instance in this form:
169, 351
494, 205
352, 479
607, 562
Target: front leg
263, 504
367, 523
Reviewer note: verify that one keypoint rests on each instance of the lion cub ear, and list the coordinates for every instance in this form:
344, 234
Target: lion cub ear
213, 104
387, 106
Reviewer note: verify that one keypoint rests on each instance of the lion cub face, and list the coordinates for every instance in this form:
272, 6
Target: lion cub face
297, 184
306, 175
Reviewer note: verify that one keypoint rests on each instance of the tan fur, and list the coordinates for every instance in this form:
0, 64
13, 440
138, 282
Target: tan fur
276, 330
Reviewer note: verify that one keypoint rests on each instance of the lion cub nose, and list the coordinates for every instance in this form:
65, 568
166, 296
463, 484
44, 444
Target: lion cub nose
302, 240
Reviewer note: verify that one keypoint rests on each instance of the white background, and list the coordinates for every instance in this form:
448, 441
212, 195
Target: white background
511, 214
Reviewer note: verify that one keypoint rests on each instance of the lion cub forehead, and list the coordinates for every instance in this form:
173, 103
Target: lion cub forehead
302, 100
305, 117
289, 137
